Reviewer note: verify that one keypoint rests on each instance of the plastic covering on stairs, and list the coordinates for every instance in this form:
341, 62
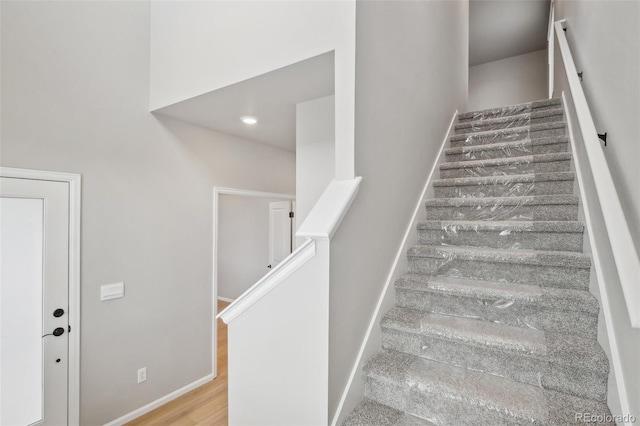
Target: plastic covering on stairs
494, 323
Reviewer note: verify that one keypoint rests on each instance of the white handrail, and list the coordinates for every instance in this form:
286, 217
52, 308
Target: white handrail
285, 316
282, 270
550, 45
624, 250
320, 224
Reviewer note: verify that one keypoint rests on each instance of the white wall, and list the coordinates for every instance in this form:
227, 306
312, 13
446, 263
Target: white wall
75, 91
197, 47
604, 38
509, 81
315, 152
243, 243
412, 64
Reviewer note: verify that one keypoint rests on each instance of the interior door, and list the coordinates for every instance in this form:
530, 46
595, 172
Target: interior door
34, 286
280, 231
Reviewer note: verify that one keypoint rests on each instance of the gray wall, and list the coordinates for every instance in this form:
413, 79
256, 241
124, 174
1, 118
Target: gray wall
605, 42
315, 152
412, 64
75, 94
509, 81
604, 38
243, 243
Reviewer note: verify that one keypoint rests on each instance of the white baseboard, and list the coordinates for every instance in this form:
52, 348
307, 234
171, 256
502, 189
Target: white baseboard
159, 402
353, 391
225, 299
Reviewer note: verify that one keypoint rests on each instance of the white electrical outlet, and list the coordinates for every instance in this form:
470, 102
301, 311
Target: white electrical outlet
142, 374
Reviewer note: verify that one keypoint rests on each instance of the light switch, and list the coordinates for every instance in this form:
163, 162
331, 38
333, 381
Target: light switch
111, 291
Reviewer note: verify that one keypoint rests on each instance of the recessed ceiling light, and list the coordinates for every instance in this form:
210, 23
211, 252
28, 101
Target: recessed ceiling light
249, 120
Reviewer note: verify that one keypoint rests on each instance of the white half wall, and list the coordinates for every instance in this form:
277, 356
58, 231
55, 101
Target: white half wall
75, 91
509, 81
315, 152
243, 243
267, 384
201, 46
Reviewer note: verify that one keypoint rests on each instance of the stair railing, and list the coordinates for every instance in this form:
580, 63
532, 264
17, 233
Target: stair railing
624, 251
278, 330
550, 46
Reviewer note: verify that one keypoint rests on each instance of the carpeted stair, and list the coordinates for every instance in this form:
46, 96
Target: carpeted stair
494, 323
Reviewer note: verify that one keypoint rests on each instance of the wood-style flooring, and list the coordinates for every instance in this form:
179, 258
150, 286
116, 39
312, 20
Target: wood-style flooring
206, 405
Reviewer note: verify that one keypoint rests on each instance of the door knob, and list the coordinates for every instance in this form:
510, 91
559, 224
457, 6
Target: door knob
57, 332
58, 312
269, 266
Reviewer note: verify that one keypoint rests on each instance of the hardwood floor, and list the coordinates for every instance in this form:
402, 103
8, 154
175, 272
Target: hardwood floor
206, 405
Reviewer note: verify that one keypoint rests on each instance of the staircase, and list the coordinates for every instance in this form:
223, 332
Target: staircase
494, 323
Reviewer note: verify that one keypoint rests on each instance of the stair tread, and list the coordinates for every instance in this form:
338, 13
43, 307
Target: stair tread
505, 179
517, 107
507, 225
369, 413
526, 159
507, 145
492, 201
465, 330
518, 118
566, 299
528, 342
503, 396
475, 387
528, 257
520, 129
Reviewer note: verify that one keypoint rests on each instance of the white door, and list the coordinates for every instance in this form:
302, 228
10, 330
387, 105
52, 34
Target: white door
34, 302
280, 231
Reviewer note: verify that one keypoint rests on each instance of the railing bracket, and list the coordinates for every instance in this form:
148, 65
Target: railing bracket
580, 75
603, 136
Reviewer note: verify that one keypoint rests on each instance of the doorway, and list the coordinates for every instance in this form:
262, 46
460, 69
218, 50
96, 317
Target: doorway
237, 195
282, 228
39, 297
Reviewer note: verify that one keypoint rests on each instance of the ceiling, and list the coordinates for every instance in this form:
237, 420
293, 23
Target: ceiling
500, 29
271, 98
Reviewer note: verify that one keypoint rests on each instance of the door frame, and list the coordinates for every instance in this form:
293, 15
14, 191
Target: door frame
217, 192
75, 186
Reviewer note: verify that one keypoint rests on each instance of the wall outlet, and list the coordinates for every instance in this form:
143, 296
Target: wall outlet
142, 375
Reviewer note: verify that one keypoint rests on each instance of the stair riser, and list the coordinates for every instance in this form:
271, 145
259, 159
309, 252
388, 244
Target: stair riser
369, 412
518, 151
557, 187
506, 169
504, 212
507, 112
507, 136
431, 405
480, 126
566, 241
519, 367
540, 316
543, 275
